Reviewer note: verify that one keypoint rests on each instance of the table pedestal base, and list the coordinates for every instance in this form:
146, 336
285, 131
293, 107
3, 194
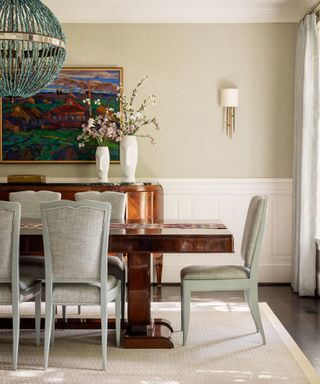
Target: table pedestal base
158, 336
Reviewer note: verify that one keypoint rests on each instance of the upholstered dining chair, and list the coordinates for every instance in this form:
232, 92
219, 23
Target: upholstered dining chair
30, 201
230, 277
30, 209
117, 200
75, 236
118, 203
14, 288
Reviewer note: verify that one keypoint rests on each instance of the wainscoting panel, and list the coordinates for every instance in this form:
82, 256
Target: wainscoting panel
228, 200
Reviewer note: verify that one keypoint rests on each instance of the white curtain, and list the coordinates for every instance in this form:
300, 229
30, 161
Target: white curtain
305, 177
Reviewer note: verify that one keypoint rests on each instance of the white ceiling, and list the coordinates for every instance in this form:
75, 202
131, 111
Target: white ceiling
179, 11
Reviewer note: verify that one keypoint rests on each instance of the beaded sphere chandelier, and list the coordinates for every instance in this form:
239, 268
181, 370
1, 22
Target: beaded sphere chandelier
32, 47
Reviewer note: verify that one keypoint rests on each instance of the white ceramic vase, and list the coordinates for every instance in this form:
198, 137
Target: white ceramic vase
128, 158
102, 163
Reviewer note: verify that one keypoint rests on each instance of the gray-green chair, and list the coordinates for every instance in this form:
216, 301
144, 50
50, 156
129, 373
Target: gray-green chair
118, 203
75, 236
30, 201
230, 277
15, 289
117, 200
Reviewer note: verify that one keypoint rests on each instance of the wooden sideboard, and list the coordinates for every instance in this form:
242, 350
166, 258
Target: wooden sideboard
145, 201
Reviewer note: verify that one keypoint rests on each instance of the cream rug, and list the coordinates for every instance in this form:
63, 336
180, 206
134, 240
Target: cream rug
222, 348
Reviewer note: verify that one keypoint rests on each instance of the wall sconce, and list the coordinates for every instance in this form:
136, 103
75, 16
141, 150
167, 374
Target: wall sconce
229, 100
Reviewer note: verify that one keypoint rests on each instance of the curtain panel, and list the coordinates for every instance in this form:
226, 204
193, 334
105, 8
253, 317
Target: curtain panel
306, 173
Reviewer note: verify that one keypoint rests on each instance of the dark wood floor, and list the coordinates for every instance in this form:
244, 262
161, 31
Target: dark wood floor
299, 315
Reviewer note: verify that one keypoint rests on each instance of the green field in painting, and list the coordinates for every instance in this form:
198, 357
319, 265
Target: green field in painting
48, 145
34, 142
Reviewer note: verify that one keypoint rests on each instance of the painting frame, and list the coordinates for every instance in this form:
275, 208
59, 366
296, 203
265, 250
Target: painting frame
5, 133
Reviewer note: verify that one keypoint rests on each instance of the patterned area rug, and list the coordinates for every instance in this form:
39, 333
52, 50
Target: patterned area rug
222, 348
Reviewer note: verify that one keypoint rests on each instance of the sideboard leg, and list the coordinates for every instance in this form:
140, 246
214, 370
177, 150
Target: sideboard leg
158, 261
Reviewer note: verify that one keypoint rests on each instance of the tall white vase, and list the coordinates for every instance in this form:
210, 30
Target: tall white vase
128, 158
102, 163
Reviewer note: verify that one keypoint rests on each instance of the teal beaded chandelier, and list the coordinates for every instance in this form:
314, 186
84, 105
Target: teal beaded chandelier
32, 47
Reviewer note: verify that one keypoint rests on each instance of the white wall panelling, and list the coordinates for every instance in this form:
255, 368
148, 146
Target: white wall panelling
228, 200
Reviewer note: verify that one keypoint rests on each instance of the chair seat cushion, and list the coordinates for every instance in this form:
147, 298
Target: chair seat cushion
29, 287
32, 266
209, 272
26, 282
79, 293
115, 267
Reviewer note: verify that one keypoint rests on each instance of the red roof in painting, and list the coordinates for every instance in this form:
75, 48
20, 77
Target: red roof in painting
68, 108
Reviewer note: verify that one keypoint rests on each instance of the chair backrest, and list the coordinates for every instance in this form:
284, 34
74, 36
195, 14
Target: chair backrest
10, 214
75, 236
253, 232
30, 201
117, 200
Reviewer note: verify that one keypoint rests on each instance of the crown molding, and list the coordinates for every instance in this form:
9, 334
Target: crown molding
179, 11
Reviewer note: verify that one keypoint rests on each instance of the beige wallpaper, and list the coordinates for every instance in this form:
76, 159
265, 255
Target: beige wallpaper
187, 64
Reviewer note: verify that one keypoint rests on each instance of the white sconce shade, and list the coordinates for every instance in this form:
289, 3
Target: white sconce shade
229, 97
229, 100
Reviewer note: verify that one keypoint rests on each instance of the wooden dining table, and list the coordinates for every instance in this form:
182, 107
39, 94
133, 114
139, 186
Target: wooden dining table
138, 241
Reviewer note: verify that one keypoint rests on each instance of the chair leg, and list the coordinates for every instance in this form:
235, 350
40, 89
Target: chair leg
123, 294
247, 297
79, 309
185, 310
118, 311
16, 333
37, 306
48, 327
104, 329
255, 312
53, 325
64, 313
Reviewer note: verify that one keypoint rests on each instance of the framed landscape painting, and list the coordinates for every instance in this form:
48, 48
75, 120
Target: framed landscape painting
44, 128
